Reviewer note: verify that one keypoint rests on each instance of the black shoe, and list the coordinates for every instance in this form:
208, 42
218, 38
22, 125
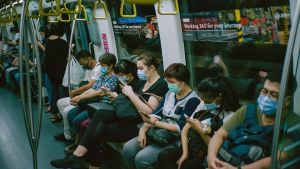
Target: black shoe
71, 161
61, 137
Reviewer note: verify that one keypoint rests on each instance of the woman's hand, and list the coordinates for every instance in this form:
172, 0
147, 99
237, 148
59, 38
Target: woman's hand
127, 91
72, 94
181, 160
148, 119
74, 101
195, 124
142, 139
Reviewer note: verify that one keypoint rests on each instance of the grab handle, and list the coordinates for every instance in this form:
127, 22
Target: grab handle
122, 10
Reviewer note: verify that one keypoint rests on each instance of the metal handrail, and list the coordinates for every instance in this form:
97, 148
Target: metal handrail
168, 13
283, 86
13, 12
53, 13
122, 10
70, 54
142, 2
99, 3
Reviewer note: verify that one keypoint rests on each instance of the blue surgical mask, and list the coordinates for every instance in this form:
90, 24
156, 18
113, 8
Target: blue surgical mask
211, 106
141, 74
266, 105
173, 87
103, 70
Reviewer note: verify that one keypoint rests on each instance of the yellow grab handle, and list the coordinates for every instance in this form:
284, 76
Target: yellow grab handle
42, 12
168, 13
61, 15
122, 10
83, 11
99, 3
77, 9
27, 13
52, 13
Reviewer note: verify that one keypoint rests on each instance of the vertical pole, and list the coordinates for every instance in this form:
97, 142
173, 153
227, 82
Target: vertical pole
238, 20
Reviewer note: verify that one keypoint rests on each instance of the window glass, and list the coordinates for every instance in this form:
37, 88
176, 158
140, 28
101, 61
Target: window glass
243, 40
136, 35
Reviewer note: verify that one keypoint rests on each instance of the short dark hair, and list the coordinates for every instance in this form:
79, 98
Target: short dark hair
55, 29
274, 76
149, 59
126, 66
212, 86
178, 71
108, 59
83, 54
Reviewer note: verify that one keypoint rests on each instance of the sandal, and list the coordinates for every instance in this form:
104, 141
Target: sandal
55, 119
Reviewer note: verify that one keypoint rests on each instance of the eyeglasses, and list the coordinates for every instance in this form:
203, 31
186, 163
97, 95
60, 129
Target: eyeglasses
272, 94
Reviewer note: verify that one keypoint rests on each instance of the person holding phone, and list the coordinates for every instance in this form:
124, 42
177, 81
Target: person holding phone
139, 152
219, 99
105, 126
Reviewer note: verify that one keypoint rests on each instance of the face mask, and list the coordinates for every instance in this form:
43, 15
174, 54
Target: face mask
124, 79
141, 74
173, 87
103, 70
211, 106
266, 105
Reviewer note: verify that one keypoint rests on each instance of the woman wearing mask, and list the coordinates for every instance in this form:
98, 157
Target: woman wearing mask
221, 101
56, 54
105, 126
141, 153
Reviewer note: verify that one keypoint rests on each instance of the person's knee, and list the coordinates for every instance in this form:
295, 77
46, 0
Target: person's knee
142, 161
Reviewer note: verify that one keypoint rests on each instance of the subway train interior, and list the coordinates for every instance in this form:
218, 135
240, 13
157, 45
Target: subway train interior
152, 84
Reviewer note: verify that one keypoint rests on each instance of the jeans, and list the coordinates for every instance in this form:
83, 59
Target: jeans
137, 157
76, 116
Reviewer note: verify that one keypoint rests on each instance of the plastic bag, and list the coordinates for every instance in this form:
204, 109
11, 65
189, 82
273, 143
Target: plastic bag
76, 74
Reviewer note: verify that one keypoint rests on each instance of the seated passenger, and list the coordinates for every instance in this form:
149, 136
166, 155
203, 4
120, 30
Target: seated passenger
127, 72
108, 81
220, 101
245, 140
141, 152
64, 105
107, 126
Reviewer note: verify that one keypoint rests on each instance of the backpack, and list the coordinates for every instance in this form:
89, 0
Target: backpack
249, 142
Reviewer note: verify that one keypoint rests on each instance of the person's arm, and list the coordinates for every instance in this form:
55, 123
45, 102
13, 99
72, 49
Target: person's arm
138, 103
86, 95
41, 45
82, 88
214, 146
196, 125
184, 144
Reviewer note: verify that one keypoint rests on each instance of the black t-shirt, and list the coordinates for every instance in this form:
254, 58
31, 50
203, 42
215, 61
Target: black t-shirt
159, 88
56, 54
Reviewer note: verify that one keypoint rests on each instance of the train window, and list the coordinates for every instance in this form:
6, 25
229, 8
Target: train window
135, 35
242, 39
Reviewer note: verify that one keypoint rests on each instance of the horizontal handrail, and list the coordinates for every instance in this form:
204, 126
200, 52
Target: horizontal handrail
141, 2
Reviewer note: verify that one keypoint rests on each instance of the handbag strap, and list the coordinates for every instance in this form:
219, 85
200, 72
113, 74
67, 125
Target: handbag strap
158, 98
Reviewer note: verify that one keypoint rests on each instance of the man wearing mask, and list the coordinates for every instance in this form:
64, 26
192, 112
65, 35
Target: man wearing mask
245, 140
93, 72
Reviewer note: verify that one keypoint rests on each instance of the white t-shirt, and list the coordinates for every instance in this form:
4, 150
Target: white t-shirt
93, 74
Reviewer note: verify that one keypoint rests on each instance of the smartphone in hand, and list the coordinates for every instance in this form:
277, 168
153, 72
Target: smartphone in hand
123, 83
186, 116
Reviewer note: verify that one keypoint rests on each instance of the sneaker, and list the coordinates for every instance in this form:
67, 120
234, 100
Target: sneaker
70, 149
70, 161
61, 137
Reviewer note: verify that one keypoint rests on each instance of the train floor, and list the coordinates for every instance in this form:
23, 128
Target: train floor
15, 152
